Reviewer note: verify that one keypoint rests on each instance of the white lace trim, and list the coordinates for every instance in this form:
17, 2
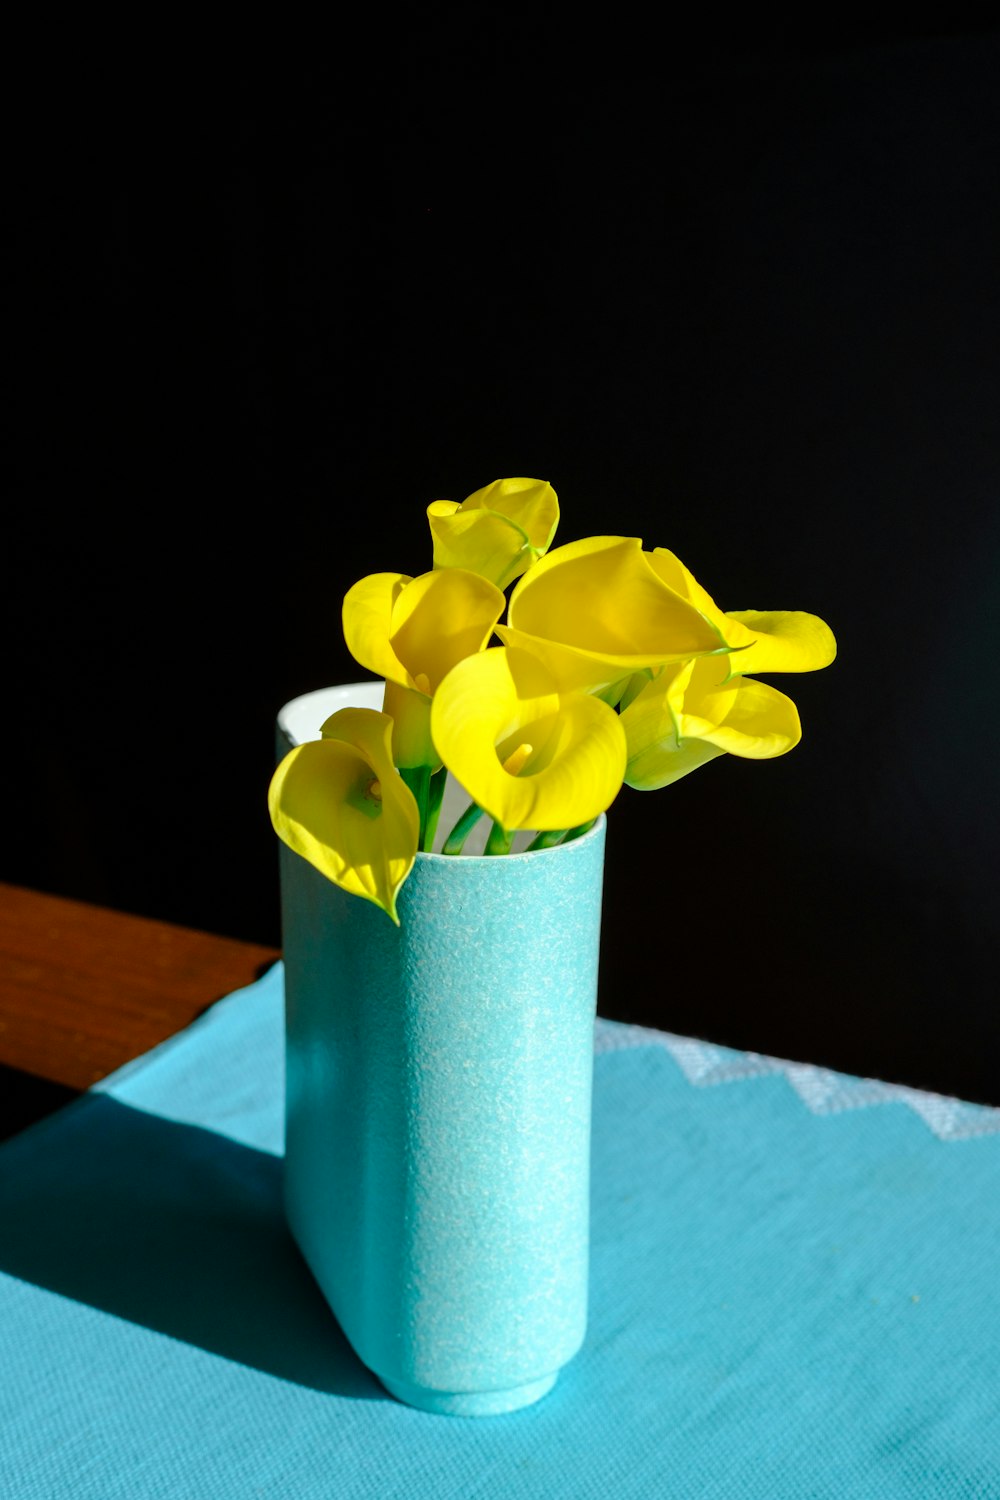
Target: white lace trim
821, 1089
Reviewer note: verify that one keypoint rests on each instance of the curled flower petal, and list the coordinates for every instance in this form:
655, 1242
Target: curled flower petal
529, 753
340, 803
595, 611
783, 641
688, 715
658, 765
763, 641
439, 619
367, 620
498, 532
742, 716
412, 631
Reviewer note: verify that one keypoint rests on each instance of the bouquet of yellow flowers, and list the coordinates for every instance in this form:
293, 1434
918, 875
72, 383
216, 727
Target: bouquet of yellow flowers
614, 666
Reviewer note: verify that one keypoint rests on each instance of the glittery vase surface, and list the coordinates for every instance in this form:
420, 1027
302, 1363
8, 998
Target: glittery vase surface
438, 1103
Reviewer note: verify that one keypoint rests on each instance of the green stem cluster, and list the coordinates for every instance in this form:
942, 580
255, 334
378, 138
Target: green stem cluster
427, 787
500, 840
455, 841
548, 840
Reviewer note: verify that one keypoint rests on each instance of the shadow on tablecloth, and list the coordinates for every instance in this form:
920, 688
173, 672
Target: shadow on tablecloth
175, 1228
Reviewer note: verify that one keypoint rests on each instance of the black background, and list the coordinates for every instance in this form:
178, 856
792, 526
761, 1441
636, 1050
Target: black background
735, 293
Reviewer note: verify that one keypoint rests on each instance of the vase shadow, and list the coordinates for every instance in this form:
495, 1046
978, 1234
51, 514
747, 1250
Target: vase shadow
175, 1228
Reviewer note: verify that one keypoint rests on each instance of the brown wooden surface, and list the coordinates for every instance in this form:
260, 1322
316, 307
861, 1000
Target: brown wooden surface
84, 989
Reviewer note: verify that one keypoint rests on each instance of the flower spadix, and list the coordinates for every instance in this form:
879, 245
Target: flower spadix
498, 532
691, 713
762, 640
529, 752
340, 803
412, 631
596, 610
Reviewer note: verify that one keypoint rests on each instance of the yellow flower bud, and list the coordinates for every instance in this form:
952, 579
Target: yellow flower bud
498, 532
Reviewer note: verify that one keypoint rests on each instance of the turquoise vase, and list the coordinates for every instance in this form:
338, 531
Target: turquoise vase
438, 1104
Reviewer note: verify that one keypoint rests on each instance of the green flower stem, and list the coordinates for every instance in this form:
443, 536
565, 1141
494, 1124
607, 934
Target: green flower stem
499, 841
551, 837
458, 835
546, 840
418, 779
435, 795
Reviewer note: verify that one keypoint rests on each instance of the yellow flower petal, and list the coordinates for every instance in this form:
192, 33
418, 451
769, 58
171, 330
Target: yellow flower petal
668, 566
596, 611
659, 765
411, 631
367, 619
493, 705
745, 717
340, 803
764, 641
699, 696
692, 713
498, 532
530, 504
440, 618
783, 641
761, 723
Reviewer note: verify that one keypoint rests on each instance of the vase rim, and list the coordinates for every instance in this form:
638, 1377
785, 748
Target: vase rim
300, 718
424, 855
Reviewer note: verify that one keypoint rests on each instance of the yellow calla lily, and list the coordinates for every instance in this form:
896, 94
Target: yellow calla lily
498, 532
691, 713
763, 641
529, 753
412, 631
596, 611
340, 804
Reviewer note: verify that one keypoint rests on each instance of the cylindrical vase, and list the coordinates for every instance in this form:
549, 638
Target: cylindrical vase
438, 1105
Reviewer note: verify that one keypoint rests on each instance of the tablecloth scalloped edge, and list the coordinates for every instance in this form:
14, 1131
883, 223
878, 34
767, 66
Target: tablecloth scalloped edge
823, 1091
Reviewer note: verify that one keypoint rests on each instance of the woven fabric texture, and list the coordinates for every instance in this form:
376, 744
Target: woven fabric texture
783, 1303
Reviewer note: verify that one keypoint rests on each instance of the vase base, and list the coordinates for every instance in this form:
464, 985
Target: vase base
470, 1403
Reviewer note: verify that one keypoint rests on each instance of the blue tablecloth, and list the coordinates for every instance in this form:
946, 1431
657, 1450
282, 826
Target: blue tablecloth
794, 1293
